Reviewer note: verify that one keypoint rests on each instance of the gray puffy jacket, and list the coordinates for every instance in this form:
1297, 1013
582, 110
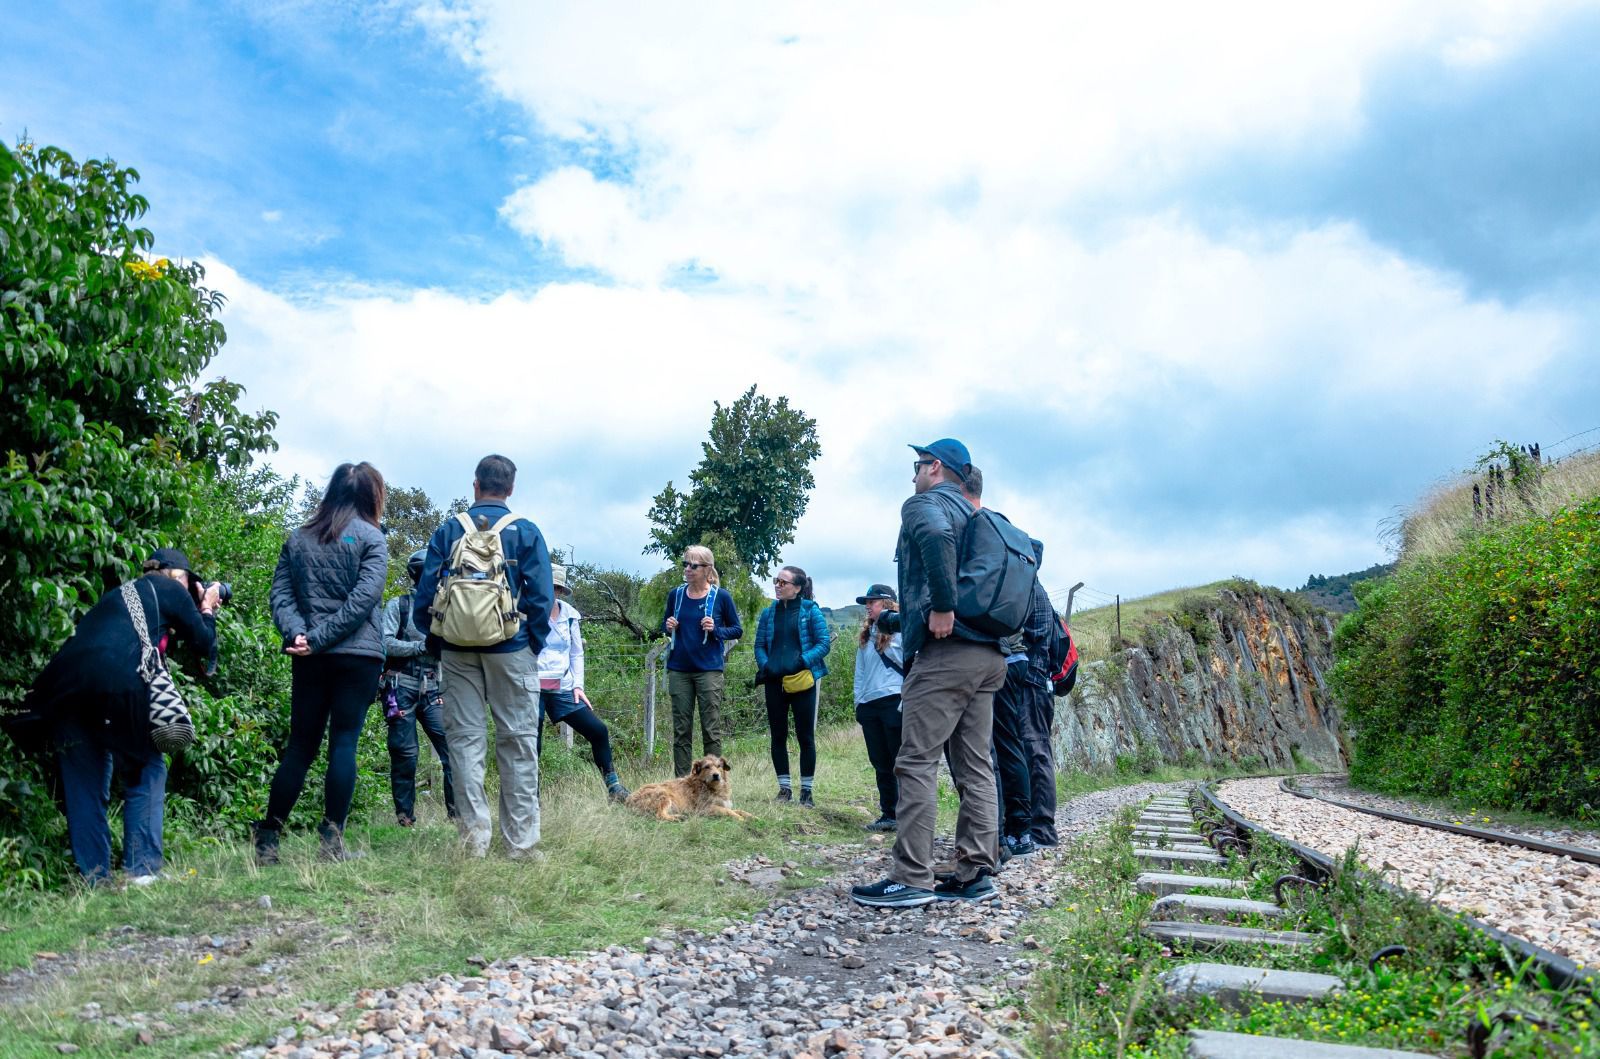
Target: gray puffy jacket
331, 593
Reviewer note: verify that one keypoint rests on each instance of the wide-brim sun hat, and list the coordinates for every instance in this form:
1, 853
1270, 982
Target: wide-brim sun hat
558, 575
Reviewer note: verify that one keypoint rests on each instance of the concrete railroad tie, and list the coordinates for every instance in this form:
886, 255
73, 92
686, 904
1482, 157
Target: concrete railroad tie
1212, 935
1240, 988
1210, 1044
1190, 908
1175, 858
1163, 883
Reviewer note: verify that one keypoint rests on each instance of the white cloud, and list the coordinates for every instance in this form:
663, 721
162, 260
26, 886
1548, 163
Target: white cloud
888, 214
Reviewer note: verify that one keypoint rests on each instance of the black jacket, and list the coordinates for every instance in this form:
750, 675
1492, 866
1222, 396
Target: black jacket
94, 677
931, 525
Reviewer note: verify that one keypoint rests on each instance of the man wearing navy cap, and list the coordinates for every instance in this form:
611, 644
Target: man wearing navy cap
953, 672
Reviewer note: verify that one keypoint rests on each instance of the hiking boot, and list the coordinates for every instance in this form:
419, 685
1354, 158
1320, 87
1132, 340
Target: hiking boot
266, 840
979, 889
332, 836
1020, 846
890, 894
883, 823
785, 794
405, 819
805, 798
614, 788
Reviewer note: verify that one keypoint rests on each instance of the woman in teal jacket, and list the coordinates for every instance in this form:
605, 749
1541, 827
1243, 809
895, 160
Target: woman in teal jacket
791, 656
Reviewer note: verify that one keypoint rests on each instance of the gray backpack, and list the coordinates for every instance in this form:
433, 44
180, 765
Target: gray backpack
996, 570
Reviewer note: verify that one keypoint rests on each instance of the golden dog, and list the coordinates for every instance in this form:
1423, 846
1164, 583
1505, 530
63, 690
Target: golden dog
704, 790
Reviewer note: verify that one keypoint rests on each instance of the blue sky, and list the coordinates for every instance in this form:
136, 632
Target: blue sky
1206, 295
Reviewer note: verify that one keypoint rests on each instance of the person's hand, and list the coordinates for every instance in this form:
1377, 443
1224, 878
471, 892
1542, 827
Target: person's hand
941, 623
672, 624
706, 624
211, 599
300, 648
578, 694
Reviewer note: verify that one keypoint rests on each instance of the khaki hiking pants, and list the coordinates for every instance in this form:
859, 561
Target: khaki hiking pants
948, 698
508, 684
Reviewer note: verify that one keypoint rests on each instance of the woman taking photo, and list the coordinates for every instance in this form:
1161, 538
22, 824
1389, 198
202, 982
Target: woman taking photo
325, 596
700, 619
880, 672
98, 709
791, 656
561, 697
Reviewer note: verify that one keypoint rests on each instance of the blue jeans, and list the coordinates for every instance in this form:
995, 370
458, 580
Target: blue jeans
86, 766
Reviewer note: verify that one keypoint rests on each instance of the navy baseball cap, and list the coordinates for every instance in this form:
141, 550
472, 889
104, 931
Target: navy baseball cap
949, 452
877, 592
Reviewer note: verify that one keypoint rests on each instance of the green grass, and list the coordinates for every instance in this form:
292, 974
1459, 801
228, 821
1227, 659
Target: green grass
414, 907
1098, 993
1095, 631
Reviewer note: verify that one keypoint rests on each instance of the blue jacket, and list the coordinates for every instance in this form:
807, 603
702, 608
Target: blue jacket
527, 568
814, 638
694, 651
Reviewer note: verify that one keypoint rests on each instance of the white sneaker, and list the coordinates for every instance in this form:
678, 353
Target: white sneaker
532, 855
144, 880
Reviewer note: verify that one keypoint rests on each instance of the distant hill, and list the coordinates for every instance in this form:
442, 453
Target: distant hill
1334, 592
848, 617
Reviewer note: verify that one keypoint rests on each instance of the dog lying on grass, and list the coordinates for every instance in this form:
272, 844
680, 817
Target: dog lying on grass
704, 790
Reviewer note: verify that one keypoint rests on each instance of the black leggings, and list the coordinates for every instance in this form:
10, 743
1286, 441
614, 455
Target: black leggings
588, 724
804, 706
330, 695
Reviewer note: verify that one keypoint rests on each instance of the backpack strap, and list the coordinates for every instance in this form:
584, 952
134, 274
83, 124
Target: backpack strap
466, 522
506, 521
884, 655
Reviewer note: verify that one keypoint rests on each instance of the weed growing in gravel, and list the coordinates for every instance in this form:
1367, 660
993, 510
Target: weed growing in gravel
1099, 993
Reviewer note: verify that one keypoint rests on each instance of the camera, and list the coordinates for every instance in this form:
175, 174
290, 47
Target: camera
224, 590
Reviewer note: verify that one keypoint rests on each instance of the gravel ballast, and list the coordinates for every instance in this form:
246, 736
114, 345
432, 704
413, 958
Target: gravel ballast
814, 975
1551, 901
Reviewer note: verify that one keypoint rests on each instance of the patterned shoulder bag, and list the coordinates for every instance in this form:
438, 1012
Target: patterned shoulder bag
170, 726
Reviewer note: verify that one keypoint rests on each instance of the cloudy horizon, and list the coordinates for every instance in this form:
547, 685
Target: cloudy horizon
1206, 291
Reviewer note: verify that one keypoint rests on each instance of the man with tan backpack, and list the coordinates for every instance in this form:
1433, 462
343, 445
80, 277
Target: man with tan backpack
485, 594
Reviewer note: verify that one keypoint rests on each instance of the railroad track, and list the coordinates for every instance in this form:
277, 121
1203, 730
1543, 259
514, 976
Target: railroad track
1541, 899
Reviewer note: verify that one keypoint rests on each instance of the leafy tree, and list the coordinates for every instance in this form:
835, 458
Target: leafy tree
410, 516
752, 485
104, 430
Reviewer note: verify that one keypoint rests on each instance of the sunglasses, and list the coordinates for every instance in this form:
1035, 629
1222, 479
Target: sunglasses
694, 566
782, 581
917, 465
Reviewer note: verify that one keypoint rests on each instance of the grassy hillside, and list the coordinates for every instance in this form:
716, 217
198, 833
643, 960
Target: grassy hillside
1095, 631
1473, 672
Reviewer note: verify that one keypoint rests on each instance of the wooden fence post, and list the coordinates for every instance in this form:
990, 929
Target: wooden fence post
650, 687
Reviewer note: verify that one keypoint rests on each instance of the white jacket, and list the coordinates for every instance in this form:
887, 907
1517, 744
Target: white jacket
562, 656
874, 680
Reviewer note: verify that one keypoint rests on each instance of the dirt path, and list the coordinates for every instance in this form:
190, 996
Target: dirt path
812, 975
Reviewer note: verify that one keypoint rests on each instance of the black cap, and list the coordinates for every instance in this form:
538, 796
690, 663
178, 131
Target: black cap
170, 559
877, 592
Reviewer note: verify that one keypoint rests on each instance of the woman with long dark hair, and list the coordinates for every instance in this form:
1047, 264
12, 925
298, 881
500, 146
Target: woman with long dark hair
325, 601
791, 656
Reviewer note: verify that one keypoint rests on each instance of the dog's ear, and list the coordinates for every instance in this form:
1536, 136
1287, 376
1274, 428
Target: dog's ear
699, 767
725, 766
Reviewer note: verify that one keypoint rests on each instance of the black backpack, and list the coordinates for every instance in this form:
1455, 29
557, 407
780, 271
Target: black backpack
995, 575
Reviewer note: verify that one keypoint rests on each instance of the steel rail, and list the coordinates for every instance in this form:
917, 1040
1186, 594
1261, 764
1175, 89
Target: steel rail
1562, 972
1557, 849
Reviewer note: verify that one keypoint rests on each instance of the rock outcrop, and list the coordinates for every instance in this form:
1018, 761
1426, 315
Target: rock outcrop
1235, 677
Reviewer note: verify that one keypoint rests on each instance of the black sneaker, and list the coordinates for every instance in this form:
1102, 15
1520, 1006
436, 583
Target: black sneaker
890, 894
1021, 846
784, 795
883, 823
805, 798
979, 889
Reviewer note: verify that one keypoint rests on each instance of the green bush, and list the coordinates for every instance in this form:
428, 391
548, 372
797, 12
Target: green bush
1476, 675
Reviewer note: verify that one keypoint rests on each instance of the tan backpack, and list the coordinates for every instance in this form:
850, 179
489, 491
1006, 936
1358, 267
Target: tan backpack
474, 606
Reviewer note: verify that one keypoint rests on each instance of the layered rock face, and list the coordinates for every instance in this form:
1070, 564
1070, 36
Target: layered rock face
1232, 678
